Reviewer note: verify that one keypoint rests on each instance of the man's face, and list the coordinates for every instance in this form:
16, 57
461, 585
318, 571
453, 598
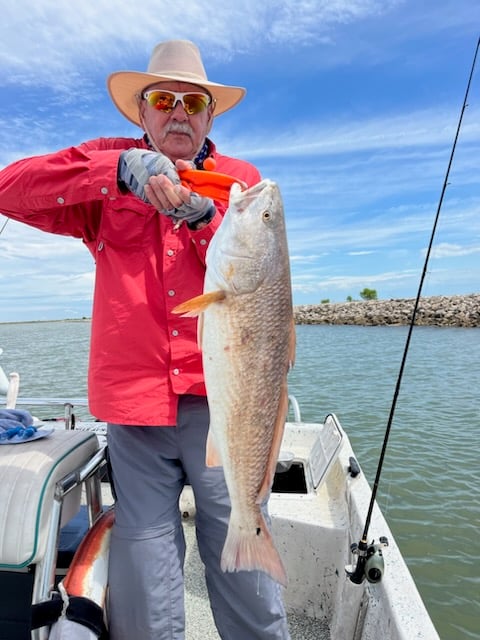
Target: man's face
176, 133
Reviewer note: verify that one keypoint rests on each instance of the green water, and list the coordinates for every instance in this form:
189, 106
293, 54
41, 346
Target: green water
429, 490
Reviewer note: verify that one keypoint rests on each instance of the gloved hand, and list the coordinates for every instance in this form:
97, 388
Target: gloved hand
198, 209
136, 166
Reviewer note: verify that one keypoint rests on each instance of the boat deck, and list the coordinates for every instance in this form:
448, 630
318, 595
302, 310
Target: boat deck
199, 619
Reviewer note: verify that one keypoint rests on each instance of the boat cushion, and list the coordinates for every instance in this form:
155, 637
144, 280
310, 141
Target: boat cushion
28, 475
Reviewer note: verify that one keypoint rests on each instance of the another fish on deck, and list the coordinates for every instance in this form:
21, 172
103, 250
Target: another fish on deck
85, 586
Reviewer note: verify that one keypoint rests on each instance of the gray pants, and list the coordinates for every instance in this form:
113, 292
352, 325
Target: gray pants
146, 601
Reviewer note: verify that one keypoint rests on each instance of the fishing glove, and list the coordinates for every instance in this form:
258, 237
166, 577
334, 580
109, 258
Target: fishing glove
198, 212
136, 166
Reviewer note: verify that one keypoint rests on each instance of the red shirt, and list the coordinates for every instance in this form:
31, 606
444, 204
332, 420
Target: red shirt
141, 355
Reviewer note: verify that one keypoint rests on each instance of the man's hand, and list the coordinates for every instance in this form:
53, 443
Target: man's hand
154, 178
137, 166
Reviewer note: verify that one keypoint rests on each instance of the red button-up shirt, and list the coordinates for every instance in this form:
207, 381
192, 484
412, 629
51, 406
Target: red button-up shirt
141, 355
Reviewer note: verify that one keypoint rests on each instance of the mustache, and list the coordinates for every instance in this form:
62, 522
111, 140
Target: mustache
179, 127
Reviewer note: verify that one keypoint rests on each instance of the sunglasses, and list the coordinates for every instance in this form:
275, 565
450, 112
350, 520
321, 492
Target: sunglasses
166, 100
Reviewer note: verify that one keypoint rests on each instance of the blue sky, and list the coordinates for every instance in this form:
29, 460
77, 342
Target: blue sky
352, 108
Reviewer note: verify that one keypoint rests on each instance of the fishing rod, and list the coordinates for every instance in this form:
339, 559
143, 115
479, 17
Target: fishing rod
369, 556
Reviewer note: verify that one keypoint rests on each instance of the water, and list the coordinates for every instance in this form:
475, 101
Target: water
429, 490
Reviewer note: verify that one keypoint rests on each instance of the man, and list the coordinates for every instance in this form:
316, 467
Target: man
149, 236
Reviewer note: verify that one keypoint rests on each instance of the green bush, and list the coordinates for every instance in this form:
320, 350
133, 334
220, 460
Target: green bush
368, 294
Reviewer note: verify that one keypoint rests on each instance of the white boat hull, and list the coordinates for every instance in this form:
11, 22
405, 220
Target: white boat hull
314, 532
318, 511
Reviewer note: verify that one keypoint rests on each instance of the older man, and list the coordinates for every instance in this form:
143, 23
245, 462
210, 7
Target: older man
148, 235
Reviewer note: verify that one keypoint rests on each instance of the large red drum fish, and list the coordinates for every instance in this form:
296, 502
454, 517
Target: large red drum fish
247, 336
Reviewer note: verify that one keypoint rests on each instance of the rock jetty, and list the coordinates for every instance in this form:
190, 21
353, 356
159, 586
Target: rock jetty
441, 311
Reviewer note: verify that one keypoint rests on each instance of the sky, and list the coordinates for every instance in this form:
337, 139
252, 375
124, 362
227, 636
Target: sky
352, 108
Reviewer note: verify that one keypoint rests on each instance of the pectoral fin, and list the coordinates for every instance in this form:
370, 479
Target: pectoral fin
212, 457
195, 306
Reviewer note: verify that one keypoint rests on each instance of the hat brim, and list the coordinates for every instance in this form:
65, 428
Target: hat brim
124, 86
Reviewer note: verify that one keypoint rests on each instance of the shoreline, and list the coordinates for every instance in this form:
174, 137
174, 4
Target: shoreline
43, 321
438, 311
433, 311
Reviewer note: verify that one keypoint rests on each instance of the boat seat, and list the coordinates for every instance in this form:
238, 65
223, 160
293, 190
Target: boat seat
29, 473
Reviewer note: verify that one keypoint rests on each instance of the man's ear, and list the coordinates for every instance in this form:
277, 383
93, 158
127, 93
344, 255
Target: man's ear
141, 111
210, 120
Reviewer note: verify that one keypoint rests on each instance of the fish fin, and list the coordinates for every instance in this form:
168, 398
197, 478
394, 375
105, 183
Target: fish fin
252, 550
292, 344
276, 444
200, 331
212, 456
195, 306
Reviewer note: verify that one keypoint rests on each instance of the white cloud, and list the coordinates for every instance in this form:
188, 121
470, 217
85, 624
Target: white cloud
360, 253
446, 250
308, 258
42, 41
23, 241
348, 282
409, 131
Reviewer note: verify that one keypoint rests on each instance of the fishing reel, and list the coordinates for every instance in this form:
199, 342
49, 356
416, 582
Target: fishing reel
370, 564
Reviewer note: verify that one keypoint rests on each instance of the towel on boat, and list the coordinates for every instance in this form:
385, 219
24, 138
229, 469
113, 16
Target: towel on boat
16, 425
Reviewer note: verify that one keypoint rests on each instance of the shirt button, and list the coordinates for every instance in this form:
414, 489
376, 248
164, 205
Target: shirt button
203, 241
61, 200
170, 252
171, 293
104, 190
100, 246
176, 372
174, 332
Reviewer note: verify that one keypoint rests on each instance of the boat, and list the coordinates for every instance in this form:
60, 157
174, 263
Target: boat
54, 491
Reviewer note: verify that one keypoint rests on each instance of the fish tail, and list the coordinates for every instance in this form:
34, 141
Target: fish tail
249, 551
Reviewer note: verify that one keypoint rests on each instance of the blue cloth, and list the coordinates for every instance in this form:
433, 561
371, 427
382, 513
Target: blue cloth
15, 423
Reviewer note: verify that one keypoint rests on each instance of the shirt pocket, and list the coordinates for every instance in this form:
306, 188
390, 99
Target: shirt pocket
124, 223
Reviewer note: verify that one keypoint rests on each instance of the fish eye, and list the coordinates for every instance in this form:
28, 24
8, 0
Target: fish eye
266, 215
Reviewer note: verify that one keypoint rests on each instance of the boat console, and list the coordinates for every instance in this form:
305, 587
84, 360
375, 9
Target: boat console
308, 452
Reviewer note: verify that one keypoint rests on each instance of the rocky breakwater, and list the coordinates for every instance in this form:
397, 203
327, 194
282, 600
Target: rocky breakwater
441, 311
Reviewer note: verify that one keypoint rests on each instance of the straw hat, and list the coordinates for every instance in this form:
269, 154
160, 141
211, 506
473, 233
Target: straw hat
172, 60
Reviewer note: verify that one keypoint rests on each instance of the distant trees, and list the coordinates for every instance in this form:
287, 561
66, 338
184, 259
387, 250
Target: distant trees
365, 294
368, 294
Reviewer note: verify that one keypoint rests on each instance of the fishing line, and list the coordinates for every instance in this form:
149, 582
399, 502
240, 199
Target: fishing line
357, 575
4, 225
